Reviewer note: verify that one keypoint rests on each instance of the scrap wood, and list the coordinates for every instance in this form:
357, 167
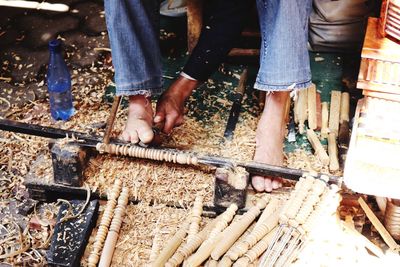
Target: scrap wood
325, 120
379, 226
334, 112
317, 146
312, 106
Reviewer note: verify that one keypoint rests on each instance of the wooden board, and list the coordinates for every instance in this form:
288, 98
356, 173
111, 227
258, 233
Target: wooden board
380, 63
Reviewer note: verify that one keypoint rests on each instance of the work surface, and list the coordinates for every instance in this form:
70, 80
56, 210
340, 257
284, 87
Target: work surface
156, 187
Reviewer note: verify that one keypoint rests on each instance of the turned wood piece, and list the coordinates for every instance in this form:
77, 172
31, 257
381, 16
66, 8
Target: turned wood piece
256, 235
333, 152
211, 263
328, 203
312, 106
225, 262
297, 200
105, 222
273, 205
195, 217
325, 119
171, 246
236, 229
317, 146
113, 232
207, 247
255, 252
267, 221
187, 249
334, 112
311, 200
147, 153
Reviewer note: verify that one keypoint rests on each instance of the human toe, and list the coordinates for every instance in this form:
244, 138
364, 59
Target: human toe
268, 185
276, 183
258, 183
145, 134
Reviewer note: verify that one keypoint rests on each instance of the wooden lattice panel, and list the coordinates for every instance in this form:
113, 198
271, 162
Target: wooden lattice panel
390, 19
380, 63
372, 161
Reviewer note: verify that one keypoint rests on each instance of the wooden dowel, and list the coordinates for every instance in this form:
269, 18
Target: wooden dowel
379, 226
311, 106
113, 233
334, 112
317, 146
171, 246
333, 152
325, 119
236, 229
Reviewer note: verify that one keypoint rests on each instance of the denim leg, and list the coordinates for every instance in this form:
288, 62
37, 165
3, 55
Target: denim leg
284, 60
133, 28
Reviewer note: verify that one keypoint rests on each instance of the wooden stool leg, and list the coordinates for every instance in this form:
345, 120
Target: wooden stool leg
194, 22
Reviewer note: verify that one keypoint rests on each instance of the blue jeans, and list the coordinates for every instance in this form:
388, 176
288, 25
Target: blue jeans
133, 27
284, 60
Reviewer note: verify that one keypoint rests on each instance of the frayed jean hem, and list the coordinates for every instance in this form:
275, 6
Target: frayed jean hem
137, 91
290, 87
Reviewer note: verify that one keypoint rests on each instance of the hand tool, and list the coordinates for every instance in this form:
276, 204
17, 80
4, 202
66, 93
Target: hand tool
237, 103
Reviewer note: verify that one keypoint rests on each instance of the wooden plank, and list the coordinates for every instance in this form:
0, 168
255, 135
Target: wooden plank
325, 119
379, 226
319, 112
311, 107
333, 152
334, 112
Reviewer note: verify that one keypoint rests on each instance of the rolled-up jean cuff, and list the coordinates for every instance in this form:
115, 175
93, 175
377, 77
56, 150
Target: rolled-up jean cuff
146, 92
154, 86
289, 87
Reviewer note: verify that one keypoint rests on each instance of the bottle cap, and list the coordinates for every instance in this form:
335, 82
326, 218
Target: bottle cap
55, 45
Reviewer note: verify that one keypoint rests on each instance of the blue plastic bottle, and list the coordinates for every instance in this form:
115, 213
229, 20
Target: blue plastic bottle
59, 84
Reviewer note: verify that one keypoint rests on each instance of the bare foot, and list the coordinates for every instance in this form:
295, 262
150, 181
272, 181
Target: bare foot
140, 120
170, 106
269, 139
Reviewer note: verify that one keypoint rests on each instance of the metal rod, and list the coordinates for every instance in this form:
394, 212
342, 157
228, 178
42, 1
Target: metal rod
216, 161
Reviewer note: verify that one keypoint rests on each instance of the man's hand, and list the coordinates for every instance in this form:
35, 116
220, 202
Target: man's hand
170, 106
169, 112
